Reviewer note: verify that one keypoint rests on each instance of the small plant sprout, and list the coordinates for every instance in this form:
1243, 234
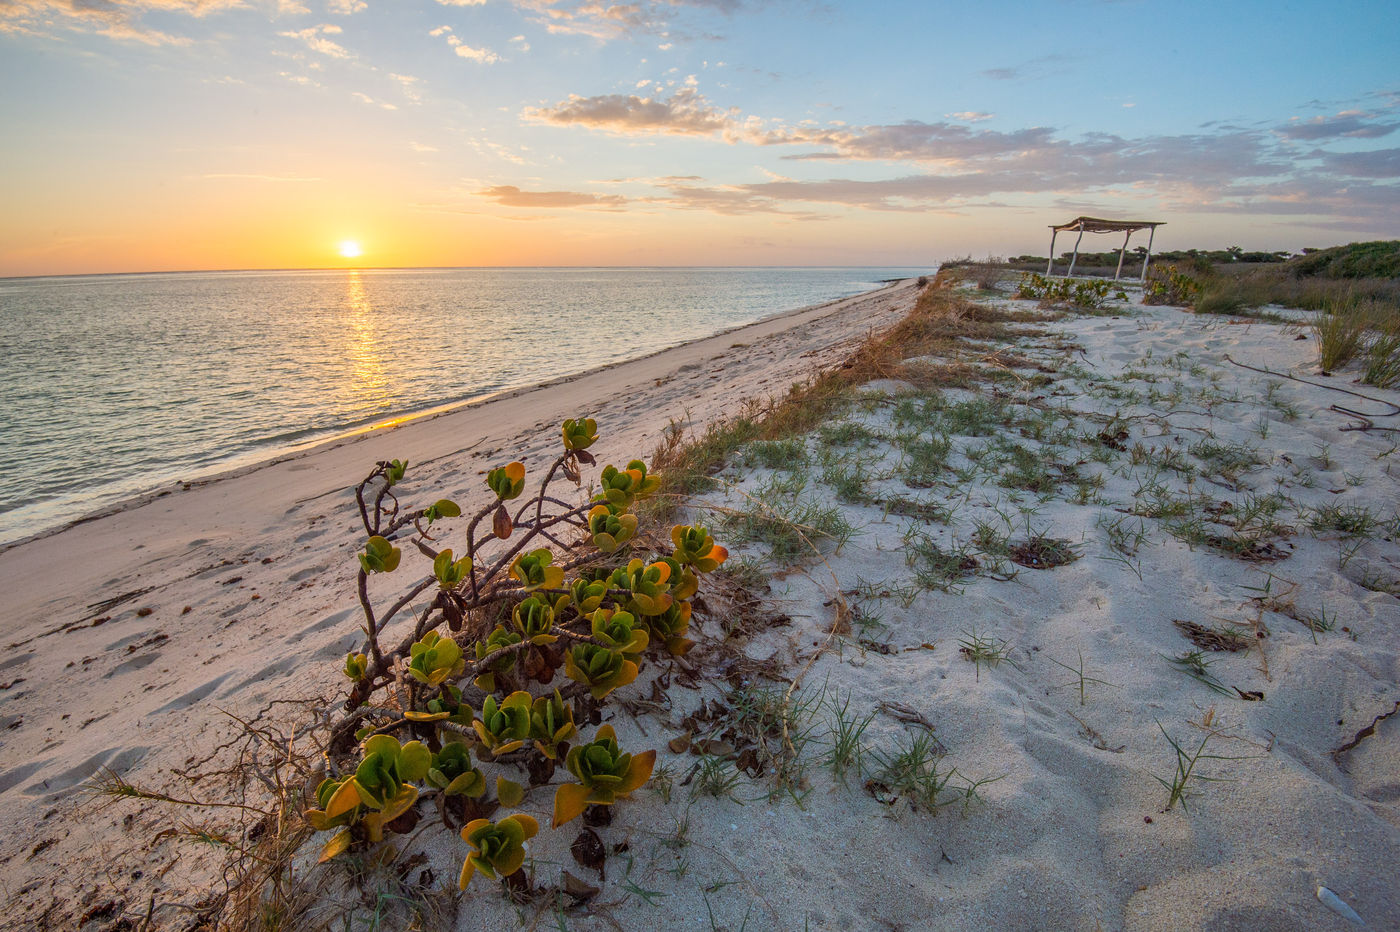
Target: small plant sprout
1195, 665
984, 650
1186, 764
1081, 678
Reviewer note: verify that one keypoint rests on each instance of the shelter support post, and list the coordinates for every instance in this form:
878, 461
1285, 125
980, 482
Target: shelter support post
1147, 257
1075, 258
1051, 264
1122, 251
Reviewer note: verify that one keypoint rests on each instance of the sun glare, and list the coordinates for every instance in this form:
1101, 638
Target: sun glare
350, 249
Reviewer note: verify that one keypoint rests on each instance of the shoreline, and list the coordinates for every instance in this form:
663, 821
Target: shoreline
255, 460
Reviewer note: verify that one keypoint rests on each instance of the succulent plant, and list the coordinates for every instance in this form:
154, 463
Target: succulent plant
601, 669
442, 508
648, 584
394, 470
695, 547
504, 728
683, 582
551, 724
507, 481
380, 556
579, 433
610, 526
449, 572
622, 487
669, 628
445, 706
435, 659
533, 570
499, 638
604, 772
356, 666
452, 772
498, 848
618, 631
586, 595
533, 618
378, 792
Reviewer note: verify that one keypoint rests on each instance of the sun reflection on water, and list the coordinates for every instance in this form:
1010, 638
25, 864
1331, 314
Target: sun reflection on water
364, 349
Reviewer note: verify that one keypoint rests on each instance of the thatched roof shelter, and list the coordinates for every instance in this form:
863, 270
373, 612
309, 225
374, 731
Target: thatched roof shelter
1096, 225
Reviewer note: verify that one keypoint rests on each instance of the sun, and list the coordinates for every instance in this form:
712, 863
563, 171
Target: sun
350, 249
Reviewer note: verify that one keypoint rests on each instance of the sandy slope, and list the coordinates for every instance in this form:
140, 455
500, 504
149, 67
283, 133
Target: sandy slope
241, 589
1135, 422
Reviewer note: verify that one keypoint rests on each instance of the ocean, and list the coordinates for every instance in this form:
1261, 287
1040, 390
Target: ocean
111, 385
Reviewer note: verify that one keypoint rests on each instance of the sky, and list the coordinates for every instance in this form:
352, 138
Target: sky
143, 135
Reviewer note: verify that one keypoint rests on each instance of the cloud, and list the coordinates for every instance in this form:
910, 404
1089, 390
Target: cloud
601, 20
1352, 124
484, 56
315, 39
969, 116
462, 2
1380, 163
684, 113
346, 7
116, 19
511, 196
1041, 67
421, 147
409, 84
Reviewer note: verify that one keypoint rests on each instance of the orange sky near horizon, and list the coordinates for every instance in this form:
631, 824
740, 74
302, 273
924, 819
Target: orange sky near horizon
190, 134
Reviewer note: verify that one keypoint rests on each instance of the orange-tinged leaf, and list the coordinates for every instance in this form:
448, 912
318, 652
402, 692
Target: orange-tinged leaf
472, 826
400, 803
339, 844
664, 569
374, 827
638, 772
528, 823
569, 802
413, 716
317, 819
468, 871
606, 731
515, 471
345, 799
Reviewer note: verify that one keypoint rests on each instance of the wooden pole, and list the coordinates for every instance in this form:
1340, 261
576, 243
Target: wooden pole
1122, 251
1075, 258
1051, 264
1151, 231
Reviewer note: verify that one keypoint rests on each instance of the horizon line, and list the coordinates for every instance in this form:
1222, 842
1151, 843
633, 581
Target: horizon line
442, 268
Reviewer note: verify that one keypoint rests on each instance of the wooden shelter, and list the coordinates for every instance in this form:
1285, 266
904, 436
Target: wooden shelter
1095, 225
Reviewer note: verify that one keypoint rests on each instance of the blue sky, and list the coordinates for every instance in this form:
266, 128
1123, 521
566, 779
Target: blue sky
144, 134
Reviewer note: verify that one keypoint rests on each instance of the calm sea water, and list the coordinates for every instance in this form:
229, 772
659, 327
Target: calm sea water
111, 385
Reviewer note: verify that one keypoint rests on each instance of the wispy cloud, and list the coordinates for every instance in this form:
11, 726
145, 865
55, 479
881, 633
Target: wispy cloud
684, 113
1351, 124
511, 196
484, 56
969, 116
315, 39
116, 19
346, 7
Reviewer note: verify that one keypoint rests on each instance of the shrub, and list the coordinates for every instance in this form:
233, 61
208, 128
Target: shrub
1166, 285
576, 617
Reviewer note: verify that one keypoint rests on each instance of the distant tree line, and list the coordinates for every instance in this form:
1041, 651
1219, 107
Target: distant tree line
1377, 259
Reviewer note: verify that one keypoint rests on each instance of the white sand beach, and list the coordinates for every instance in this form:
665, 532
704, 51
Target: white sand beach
978, 742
